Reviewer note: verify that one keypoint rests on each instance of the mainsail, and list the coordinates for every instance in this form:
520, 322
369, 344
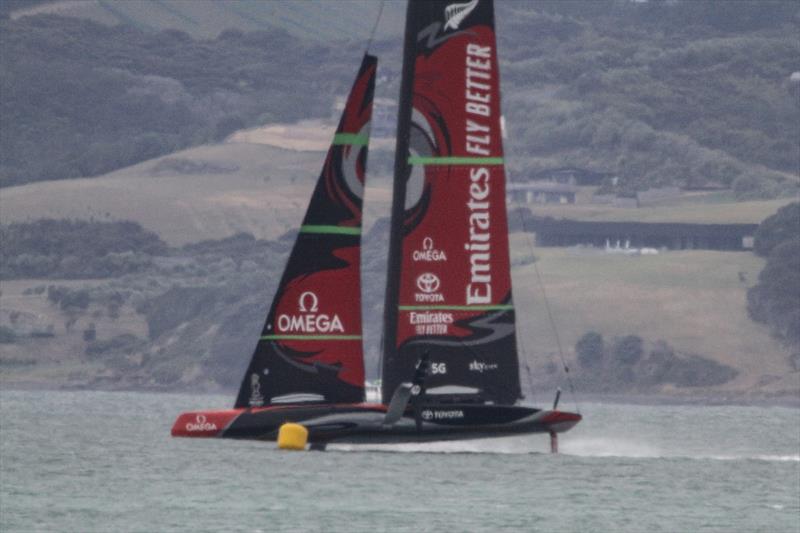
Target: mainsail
310, 349
449, 284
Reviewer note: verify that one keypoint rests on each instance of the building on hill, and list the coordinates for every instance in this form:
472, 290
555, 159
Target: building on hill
540, 192
571, 176
671, 236
651, 196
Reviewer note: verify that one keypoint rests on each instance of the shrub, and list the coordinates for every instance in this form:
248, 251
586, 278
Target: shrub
590, 350
7, 335
628, 350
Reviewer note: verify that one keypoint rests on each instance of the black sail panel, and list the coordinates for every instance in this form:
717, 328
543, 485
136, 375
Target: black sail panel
310, 348
449, 285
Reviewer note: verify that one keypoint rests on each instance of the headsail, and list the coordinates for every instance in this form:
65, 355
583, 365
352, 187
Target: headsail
311, 347
449, 284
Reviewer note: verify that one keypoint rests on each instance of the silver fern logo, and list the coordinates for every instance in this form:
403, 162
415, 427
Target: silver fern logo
454, 14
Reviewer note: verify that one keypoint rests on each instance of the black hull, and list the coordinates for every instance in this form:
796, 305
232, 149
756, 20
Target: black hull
364, 423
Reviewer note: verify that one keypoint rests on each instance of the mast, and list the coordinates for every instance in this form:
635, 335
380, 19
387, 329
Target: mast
310, 349
401, 172
448, 291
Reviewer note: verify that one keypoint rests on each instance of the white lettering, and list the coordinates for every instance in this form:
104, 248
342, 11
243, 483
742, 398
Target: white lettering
430, 317
478, 109
201, 424
479, 51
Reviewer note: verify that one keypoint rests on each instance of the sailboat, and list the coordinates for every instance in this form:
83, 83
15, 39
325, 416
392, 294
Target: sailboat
450, 367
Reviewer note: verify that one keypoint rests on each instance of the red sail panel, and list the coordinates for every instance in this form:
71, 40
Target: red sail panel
310, 349
452, 258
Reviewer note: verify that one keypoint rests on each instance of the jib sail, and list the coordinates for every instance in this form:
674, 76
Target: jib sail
449, 284
310, 349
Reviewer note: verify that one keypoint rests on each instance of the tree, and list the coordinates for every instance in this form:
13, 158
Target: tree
628, 350
590, 349
775, 300
778, 228
7, 335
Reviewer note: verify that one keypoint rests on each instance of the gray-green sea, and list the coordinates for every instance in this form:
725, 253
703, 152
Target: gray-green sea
104, 462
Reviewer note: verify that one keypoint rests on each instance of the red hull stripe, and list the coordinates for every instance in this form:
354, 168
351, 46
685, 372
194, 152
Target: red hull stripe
213, 423
559, 417
204, 423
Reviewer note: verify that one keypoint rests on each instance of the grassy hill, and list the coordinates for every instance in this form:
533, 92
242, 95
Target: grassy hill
209, 192
322, 21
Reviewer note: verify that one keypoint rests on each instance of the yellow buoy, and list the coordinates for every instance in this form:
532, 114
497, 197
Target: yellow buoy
292, 437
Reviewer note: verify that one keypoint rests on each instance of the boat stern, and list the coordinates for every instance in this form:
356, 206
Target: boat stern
559, 421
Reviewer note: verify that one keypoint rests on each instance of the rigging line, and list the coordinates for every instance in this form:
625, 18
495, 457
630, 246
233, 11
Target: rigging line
546, 306
558, 337
374, 27
518, 331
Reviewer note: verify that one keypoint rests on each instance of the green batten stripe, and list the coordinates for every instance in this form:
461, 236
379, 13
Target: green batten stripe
351, 138
340, 230
311, 338
499, 307
418, 160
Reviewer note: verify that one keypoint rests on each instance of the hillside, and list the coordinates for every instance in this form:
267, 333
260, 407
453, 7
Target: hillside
322, 21
655, 93
208, 192
189, 320
693, 300
176, 162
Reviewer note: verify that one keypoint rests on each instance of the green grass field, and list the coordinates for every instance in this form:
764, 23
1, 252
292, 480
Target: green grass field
694, 300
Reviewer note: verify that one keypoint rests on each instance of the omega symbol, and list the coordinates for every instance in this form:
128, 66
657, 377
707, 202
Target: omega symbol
308, 297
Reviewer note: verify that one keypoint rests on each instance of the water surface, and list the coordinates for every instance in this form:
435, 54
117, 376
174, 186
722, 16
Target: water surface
98, 461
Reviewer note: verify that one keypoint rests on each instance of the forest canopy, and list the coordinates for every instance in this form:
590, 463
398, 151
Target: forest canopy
775, 299
82, 99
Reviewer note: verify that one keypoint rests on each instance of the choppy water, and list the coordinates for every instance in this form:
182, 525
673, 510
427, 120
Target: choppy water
93, 461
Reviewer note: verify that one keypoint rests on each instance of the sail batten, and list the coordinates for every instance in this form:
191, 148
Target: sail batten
310, 349
449, 296
353, 139
328, 229
500, 307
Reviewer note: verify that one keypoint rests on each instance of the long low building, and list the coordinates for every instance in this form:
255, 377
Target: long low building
673, 236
